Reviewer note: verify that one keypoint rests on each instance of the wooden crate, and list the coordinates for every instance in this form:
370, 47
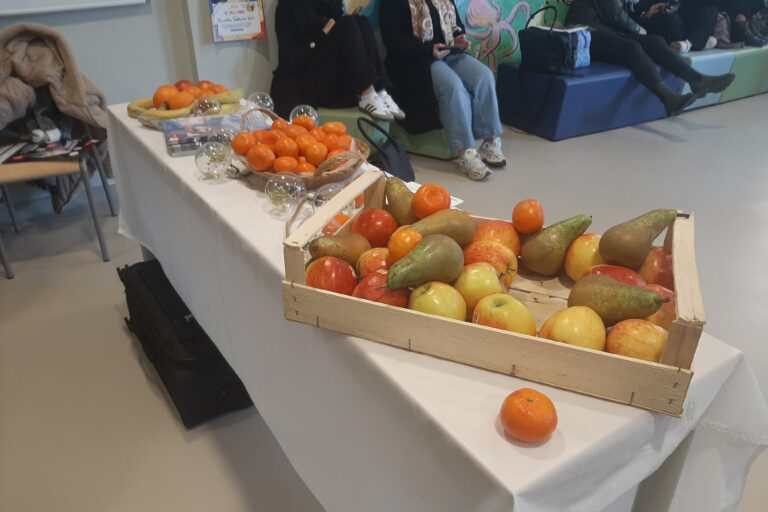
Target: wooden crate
655, 386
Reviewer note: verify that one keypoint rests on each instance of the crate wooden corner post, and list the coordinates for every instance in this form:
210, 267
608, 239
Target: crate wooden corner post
686, 330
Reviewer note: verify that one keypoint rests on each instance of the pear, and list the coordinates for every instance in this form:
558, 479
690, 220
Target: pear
544, 252
628, 243
452, 223
436, 258
399, 199
614, 301
347, 247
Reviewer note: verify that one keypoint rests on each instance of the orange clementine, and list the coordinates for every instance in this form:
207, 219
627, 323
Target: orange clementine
286, 164
318, 134
338, 221
335, 127
305, 166
205, 84
183, 84
220, 89
294, 131
345, 141
243, 142
316, 153
193, 90
401, 243
429, 199
286, 147
528, 416
332, 141
305, 121
180, 100
528, 216
304, 141
205, 94
261, 157
163, 94
280, 124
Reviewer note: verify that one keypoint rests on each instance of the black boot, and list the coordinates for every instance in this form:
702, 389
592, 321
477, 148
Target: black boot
708, 84
674, 103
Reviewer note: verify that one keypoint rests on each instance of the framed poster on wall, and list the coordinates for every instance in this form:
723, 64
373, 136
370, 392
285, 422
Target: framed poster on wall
237, 20
17, 7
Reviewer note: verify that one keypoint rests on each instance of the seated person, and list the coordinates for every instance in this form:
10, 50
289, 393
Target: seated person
418, 35
328, 59
740, 11
685, 24
618, 39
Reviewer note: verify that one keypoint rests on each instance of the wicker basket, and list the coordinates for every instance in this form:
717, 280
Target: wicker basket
337, 168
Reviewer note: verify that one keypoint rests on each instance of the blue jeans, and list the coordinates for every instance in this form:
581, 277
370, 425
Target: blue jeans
466, 96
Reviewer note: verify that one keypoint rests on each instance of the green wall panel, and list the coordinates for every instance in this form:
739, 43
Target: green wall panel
751, 68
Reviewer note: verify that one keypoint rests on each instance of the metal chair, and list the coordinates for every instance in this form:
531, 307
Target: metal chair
25, 171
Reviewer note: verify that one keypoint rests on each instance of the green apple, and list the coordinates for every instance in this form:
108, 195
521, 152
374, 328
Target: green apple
582, 254
503, 311
476, 281
577, 325
439, 299
640, 339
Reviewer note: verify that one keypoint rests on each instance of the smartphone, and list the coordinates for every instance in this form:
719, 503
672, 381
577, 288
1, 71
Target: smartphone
455, 49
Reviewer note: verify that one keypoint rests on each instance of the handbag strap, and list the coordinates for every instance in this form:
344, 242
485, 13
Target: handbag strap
543, 9
361, 121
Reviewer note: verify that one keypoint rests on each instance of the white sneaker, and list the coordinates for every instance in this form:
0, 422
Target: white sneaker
373, 105
491, 153
681, 47
711, 43
472, 166
393, 107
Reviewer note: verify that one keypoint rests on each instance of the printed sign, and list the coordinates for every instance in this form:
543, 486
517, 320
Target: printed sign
237, 20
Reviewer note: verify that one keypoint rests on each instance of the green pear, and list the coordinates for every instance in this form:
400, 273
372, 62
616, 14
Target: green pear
614, 301
452, 223
544, 253
435, 258
628, 243
347, 247
399, 199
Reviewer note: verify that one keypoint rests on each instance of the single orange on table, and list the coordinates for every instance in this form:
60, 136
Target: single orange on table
401, 243
206, 84
261, 157
180, 100
293, 131
286, 164
304, 141
220, 89
280, 124
305, 121
183, 84
287, 147
317, 153
335, 127
528, 216
429, 199
163, 94
243, 141
306, 167
528, 416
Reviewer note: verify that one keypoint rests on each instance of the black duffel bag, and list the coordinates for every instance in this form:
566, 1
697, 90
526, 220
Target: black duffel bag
553, 51
391, 156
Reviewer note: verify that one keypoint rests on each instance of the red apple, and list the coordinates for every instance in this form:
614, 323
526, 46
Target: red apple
499, 231
476, 281
374, 287
503, 311
621, 274
636, 338
372, 260
668, 311
376, 225
583, 253
500, 256
657, 268
438, 299
331, 274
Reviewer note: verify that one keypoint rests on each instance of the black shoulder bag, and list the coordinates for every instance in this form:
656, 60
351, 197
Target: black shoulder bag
391, 157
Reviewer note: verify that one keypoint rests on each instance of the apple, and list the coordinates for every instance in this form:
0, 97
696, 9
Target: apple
499, 231
500, 256
582, 254
577, 325
668, 311
476, 281
657, 268
373, 287
503, 311
438, 299
331, 274
636, 338
621, 274
372, 260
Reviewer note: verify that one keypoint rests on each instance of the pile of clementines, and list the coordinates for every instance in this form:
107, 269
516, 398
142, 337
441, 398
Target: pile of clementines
297, 147
183, 93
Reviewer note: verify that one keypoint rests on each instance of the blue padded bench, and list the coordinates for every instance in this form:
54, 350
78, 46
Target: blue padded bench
600, 97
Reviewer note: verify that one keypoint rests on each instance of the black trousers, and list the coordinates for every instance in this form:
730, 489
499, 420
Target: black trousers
640, 53
346, 62
692, 22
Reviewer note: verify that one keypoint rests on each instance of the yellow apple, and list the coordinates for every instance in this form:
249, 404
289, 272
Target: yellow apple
582, 254
438, 299
503, 311
640, 339
476, 281
577, 325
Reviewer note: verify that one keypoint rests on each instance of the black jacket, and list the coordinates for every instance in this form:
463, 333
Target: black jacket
408, 64
611, 15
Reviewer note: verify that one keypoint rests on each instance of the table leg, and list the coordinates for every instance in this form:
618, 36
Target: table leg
5, 261
9, 204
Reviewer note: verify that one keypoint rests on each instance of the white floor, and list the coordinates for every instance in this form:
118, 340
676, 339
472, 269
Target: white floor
85, 424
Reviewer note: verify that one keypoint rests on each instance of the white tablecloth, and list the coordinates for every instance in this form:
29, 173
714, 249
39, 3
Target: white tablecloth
373, 428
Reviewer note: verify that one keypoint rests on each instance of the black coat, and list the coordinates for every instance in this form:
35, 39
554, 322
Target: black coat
299, 27
408, 64
612, 15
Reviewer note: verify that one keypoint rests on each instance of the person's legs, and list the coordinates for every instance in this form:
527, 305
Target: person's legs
347, 41
667, 25
699, 21
371, 48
